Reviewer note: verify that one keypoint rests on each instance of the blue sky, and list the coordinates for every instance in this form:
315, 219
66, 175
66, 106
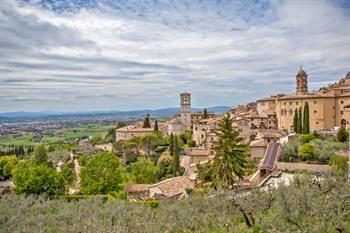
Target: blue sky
120, 55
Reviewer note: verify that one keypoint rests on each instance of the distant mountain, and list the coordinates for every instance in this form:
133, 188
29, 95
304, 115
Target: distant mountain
157, 112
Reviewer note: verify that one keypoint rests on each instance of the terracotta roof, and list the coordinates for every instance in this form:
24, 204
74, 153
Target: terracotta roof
134, 129
130, 188
173, 186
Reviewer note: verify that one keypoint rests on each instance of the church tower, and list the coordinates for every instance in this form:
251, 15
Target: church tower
301, 84
185, 112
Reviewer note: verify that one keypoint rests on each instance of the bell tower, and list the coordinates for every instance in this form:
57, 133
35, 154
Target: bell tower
185, 112
301, 82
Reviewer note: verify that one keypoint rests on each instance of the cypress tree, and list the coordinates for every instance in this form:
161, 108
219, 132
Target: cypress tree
176, 157
306, 122
156, 126
300, 123
295, 121
146, 122
205, 114
171, 144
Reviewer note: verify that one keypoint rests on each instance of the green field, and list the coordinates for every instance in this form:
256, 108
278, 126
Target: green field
93, 130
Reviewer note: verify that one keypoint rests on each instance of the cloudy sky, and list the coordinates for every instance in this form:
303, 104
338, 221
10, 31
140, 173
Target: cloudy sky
116, 55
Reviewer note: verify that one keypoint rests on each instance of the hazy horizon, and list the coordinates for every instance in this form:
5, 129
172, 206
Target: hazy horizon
101, 55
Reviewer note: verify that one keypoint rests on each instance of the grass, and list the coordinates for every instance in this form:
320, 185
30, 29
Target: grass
93, 130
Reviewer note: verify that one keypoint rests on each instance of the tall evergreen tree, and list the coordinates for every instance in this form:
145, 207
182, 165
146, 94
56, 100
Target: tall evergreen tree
230, 161
300, 122
171, 144
176, 157
147, 121
295, 121
205, 114
156, 129
306, 122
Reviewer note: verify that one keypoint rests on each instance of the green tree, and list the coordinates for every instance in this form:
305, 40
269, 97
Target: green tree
40, 154
144, 171
176, 158
171, 144
67, 173
147, 121
165, 166
102, 174
7, 163
300, 122
156, 129
306, 120
205, 114
30, 178
295, 121
230, 161
111, 135
307, 151
305, 138
342, 135
204, 172
150, 141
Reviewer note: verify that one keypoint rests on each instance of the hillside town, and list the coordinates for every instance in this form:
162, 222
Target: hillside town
265, 125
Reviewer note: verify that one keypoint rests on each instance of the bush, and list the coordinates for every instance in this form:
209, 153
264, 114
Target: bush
144, 171
307, 151
306, 138
324, 149
342, 135
191, 143
290, 151
340, 163
7, 163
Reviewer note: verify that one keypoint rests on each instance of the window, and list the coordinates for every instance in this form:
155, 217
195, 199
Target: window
291, 112
315, 111
282, 112
285, 103
342, 112
202, 136
290, 103
296, 103
341, 102
195, 128
315, 102
317, 122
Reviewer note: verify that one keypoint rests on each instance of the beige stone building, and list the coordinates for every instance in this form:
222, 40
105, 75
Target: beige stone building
327, 107
130, 131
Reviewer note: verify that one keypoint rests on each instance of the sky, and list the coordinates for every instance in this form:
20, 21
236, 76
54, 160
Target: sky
89, 55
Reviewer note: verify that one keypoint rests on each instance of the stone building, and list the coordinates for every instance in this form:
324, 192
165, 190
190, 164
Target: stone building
327, 107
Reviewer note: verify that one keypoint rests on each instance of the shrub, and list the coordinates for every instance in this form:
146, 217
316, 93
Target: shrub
290, 151
324, 149
340, 163
7, 163
191, 143
342, 135
144, 171
307, 151
306, 138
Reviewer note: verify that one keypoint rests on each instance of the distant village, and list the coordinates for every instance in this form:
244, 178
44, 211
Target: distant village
265, 125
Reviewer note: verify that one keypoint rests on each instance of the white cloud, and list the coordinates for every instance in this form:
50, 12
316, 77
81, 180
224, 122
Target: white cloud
126, 55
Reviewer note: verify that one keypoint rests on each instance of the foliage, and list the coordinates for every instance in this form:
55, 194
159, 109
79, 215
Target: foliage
171, 144
306, 120
67, 173
165, 166
325, 148
300, 122
40, 154
110, 136
30, 178
147, 121
156, 129
191, 143
295, 121
176, 158
307, 151
7, 163
150, 141
340, 163
342, 135
102, 174
205, 114
144, 171
304, 206
290, 151
306, 138
204, 172
231, 154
